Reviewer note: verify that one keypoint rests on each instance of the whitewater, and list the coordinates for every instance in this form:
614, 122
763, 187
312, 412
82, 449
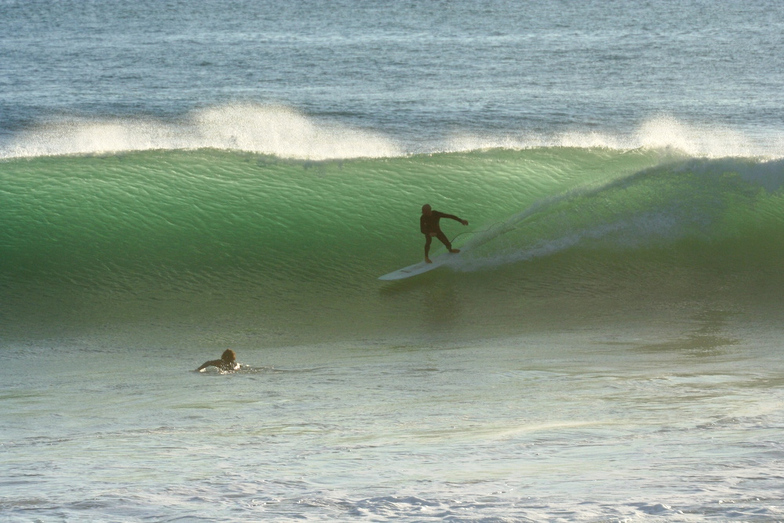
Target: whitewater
237, 175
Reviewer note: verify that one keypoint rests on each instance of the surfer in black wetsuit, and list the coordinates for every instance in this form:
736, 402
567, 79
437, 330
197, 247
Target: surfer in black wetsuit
430, 227
228, 361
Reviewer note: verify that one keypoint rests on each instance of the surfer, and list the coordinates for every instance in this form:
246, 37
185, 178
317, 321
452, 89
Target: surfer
228, 361
430, 227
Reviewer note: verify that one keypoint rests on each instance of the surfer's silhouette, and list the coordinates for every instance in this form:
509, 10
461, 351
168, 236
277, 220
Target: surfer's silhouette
430, 227
228, 361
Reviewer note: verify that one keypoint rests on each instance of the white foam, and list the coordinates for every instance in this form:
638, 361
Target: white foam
661, 132
701, 141
288, 133
274, 130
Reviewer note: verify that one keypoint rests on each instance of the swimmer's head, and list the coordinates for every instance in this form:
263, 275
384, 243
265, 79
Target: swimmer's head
426, 209
228, 356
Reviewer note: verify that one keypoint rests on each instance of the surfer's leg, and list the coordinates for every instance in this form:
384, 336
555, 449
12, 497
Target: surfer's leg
428, 239
441, 236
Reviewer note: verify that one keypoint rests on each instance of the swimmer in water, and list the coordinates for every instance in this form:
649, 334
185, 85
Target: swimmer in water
227, 362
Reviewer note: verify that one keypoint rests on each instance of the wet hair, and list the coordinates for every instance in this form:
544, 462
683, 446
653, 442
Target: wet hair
228, 356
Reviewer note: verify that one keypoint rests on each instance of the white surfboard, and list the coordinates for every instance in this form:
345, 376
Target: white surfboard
418, 268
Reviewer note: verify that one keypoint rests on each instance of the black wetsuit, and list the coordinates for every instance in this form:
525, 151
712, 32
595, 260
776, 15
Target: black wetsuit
429, 224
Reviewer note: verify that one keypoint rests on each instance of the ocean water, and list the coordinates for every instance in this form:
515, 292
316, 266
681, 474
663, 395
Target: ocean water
177, 179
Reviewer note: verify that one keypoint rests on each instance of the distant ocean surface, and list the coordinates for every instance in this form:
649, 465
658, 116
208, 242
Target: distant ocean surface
181, 178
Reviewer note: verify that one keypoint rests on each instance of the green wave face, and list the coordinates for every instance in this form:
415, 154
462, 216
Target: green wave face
296, 246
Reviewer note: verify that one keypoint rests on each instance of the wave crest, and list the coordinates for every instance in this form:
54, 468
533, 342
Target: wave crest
288, 133
659, 133
274, 130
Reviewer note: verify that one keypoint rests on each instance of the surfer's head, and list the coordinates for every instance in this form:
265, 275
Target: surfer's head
228, 356
426, 209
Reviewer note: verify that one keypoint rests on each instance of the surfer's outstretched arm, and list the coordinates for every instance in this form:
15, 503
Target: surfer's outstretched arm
455, 218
